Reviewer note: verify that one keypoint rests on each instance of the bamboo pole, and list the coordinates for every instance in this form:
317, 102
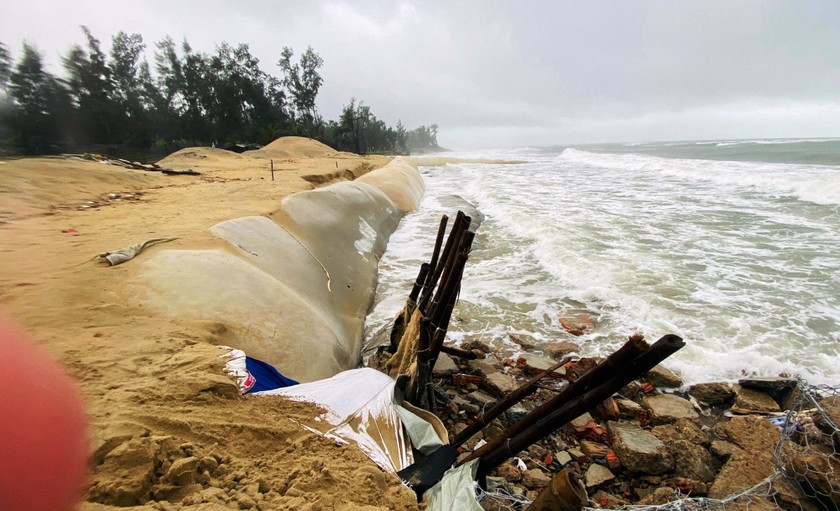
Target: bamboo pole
630, 350
449, 264
499, 407
450, 240
436, 252
442, 315
457, 225
422, 275
662, 349
430, 346
423, 370
448, 292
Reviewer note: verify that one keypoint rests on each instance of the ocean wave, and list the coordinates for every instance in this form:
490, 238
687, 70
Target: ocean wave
746, 278
819, 184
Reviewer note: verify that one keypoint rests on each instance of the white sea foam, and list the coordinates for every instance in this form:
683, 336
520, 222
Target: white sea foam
819, 184
737, 258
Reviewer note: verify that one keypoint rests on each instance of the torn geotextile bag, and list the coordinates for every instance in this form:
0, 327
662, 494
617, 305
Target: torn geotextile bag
362, 407
130, 252
456, 491
251, 374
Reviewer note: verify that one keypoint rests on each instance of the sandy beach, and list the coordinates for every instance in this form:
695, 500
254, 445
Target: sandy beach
167, 428
286, 270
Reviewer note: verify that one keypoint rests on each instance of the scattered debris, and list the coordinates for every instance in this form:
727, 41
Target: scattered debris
640, 445
110, 198
130, 252
135, 165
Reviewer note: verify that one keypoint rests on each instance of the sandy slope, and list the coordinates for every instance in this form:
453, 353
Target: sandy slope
166, 427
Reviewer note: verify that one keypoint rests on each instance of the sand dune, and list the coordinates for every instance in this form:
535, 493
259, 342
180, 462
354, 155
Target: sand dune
293, 147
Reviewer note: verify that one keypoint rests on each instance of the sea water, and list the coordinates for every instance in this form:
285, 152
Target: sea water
732, 245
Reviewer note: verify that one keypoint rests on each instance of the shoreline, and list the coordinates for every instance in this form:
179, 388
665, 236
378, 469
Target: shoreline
145, 356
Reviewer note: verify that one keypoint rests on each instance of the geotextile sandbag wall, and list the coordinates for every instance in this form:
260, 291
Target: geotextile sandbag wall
292, 288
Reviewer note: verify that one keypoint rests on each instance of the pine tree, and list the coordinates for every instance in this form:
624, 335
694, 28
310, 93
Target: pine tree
39, 104
303, 83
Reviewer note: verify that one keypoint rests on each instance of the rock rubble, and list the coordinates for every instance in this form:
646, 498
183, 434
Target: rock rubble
640, 447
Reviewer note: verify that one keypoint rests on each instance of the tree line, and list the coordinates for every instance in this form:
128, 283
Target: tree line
117, 99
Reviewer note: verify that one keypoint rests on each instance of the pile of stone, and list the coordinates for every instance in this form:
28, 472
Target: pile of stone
653, 442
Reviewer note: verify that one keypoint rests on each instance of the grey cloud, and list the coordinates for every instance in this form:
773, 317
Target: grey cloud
505, 73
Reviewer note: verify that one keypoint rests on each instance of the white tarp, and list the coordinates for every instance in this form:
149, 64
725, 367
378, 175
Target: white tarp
361, 408
456, 491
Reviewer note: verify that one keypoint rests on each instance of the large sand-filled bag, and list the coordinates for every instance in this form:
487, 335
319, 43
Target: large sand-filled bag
400, 181
292, 288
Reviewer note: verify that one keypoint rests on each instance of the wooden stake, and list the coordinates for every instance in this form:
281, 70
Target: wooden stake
501, 406
662, 349
449, 264
410, 306
564, 493
436, 252
418, 284
632, 349
447, 249
272, 170
629, 351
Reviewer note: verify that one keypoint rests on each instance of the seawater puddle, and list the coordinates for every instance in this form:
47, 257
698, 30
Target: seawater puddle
746, 270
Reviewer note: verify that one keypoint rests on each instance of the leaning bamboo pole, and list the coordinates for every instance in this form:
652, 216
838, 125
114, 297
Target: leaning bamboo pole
630, 350
404, 316
501, 406
445, 256
436, 252
429, 306
662, 349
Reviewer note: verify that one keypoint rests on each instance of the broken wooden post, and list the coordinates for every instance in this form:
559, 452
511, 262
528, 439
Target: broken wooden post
501, 406
458, 352
431, 303
564, 493
631, 349
436, 252
509, 446
449, 264
272, 170
457, 225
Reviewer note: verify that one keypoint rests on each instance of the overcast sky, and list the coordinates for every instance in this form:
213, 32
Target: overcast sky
498, 74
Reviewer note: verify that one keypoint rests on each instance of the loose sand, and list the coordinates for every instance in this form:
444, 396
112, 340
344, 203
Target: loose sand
168, 430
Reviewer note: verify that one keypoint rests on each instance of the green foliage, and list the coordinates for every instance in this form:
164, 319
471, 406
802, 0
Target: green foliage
129, 73
423, 139
303, 82
358, 130
185, 97
40, 104
5, 67
93, 93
